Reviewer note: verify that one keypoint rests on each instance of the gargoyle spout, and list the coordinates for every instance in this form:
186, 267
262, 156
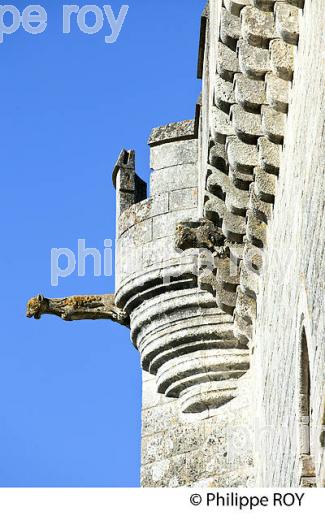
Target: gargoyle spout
98, 307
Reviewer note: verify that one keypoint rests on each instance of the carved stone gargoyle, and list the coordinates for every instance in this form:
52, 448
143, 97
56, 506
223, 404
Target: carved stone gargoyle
200, 234
100, 307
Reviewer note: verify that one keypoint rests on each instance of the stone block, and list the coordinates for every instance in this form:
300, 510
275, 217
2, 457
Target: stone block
165, 473
258, 27
158, 251
173, 154
223, 93
158, 419
230, 29
143, 211
282, 59
168, 179
254, 62
183, 199
165, 225
249, 93
227, 63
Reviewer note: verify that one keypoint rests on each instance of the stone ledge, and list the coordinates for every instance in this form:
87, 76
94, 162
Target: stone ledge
181, 131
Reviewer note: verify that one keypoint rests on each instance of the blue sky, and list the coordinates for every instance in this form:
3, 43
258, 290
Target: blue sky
70, 393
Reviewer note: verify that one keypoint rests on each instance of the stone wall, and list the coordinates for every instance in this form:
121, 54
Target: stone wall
292, 294
204, 450
250, 60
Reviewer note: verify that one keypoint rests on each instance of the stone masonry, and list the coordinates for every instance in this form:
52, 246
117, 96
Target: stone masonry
220, 270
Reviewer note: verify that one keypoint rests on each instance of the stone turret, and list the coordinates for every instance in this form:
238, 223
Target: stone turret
182, 336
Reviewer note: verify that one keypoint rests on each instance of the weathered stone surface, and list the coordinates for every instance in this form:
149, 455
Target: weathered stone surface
172, 132
292, 293
198, 234
165, 225
144, 211
256, 229
269, 155
261, 209
233, 227
266, 5
287, 22
169, 179
246, 307
224, 94
221, 126
240, 179
249, 93
273, 124
218, 157
258, 27
282, 59
173, 154
236, 200
242, 157
254, 62
78, 308
235, 6
277, 92
264, 185
227, 63
230, 29
130, 189
247, 125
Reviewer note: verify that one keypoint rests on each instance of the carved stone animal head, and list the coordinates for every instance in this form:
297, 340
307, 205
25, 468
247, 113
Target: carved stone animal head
198, 234
36, 307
